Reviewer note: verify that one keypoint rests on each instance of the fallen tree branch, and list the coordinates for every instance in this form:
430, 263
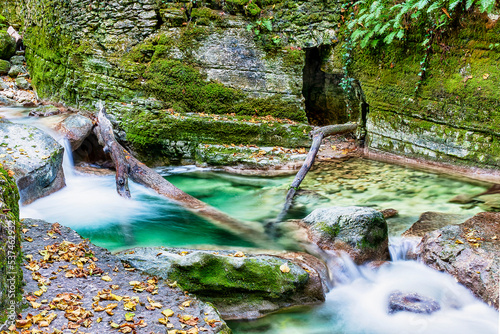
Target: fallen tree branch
317, 137
128, 166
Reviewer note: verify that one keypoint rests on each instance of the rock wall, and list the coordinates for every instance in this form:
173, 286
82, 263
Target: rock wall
145, 57
453, 115
239, 57
10, 251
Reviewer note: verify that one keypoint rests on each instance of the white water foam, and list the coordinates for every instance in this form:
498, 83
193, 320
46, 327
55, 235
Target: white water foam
362, 304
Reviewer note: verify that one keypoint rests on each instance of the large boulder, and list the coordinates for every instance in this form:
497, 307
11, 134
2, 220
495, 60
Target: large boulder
7, 45
359, 231
470, 252
34, 157
75, 128
241, 286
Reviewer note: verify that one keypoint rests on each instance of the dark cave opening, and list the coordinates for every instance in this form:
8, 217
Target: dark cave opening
324, 97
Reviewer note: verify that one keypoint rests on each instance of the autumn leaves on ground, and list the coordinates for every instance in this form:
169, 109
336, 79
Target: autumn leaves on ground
73, 285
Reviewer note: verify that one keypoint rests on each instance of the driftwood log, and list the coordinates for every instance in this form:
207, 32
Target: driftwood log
129, 167
317, 137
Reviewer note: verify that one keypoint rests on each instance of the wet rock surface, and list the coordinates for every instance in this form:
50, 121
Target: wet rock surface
44, 111
34, 157
359, 231
75, 128
470, 252
412, 302
430, 221
83, 287
240, 285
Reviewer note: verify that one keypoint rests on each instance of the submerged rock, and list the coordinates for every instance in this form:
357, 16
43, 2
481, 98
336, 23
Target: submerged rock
412, 302
489, 202
470, 252
75, 128
389, 213
241, 286
430, 221
359, 231
34, 157
44, 111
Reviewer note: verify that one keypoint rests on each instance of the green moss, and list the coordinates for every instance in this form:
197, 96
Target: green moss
206, 16
155, 132
10, 267
332, 230
458, 93
217, 276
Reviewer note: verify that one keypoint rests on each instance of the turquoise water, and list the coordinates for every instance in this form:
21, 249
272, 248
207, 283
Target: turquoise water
357, 304
90, 205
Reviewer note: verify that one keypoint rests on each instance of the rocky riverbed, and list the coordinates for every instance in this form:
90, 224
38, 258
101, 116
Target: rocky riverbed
72, 284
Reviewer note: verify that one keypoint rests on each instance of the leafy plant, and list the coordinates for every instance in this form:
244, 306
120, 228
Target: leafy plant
260, 26
382, 21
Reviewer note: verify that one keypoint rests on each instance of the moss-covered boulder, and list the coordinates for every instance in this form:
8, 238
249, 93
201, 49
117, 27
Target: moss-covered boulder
34, 157
10, 250
359, 231
7, 45
241, 286
4, 67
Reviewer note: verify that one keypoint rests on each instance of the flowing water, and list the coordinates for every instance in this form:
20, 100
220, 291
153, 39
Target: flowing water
358, 302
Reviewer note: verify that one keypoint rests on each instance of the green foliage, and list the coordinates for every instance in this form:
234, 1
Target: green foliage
382, 21
3, 22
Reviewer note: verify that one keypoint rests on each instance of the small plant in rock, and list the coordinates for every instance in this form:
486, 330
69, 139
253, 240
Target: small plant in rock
260, 26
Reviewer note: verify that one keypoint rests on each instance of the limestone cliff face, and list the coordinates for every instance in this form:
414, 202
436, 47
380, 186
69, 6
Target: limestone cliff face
149, 59
453, 114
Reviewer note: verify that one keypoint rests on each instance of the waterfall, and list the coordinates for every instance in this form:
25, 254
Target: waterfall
359, 298
68, 163
400, 248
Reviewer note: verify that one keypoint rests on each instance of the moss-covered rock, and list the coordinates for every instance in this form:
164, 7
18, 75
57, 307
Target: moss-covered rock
241, 286
7, 45
159, 133
359, 231
4, 67
11, 277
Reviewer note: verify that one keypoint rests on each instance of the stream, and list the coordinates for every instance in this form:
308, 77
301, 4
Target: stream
358, 302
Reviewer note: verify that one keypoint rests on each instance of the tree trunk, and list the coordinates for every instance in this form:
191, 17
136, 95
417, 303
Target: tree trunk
317, 137
128, 166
